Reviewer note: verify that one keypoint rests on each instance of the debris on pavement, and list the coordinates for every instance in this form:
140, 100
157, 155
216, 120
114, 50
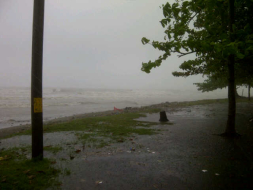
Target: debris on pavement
71, 157
99, 182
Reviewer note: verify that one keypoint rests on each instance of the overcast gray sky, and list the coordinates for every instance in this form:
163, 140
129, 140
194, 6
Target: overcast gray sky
87, 44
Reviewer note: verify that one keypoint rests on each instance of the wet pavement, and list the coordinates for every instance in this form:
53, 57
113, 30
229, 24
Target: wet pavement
185, 155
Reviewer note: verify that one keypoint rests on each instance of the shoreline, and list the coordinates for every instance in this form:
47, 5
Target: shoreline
5, 132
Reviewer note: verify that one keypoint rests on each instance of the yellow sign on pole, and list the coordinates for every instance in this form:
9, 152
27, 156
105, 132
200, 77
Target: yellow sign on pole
37, 105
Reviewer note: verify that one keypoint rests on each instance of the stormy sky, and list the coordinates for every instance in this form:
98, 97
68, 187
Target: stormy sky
88, 44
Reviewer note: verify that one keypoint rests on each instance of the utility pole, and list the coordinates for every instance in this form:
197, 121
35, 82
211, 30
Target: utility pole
36, 80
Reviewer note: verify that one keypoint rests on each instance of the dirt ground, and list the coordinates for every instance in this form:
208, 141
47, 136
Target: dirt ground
186, 155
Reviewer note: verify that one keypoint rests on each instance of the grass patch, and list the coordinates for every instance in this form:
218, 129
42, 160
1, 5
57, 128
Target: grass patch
93, 140
114, 125
98, 132
53, 149
17, 172
204, 102
101, 131
198, 102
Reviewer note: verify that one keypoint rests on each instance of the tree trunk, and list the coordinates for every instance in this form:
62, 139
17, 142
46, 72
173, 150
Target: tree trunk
249, 92
236, 94
230, 128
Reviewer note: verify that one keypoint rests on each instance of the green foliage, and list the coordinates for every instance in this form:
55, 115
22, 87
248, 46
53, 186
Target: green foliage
212, 83
19, 172
215, 81
200, 27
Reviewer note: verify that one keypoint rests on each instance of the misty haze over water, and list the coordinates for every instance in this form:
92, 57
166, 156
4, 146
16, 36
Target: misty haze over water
92, 46
60, 102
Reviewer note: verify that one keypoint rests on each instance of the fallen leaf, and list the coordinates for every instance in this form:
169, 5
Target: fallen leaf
6, 157
83, 180
71, 157
217, 174
204, 171
53, 162
78, 150
26, 172
156, 186
31, 176
99, 182
3, 180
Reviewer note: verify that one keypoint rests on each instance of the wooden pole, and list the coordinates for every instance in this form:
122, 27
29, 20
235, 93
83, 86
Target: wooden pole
36, 80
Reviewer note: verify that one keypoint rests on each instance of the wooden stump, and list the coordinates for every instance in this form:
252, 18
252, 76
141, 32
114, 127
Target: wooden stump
163, 116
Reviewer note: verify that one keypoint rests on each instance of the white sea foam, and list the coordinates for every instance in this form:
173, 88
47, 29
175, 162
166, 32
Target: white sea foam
59, 102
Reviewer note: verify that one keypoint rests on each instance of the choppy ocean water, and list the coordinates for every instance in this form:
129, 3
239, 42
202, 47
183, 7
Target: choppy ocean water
61, 102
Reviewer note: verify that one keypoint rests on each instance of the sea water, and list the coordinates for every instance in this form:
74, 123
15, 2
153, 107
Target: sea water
60, 102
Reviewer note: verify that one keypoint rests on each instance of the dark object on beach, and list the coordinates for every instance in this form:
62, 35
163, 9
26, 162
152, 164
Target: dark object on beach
163, 116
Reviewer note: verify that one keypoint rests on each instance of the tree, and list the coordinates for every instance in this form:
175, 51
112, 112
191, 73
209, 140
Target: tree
243, 76
243, 65
212, 83
205, 28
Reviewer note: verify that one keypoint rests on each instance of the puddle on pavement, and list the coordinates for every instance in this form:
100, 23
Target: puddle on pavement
200, 111
53, 139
